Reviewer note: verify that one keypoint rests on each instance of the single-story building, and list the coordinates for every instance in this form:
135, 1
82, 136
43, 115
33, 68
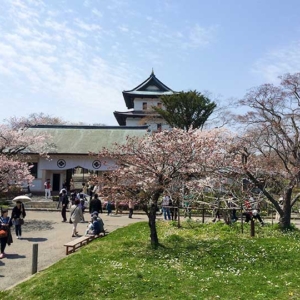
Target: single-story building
71, 150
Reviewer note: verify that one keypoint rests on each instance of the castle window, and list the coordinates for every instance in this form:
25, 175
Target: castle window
159, 105
144, 105
158, 127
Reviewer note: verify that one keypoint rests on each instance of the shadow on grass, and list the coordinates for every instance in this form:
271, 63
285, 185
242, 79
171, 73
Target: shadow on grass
158, 246
14, 256
35, 239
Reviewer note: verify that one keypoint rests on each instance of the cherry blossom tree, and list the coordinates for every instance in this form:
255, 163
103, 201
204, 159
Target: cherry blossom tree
150, 165
269, 148
15, 144
32, 120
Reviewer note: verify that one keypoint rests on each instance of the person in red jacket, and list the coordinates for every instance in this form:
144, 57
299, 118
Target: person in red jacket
250, 211
48, 187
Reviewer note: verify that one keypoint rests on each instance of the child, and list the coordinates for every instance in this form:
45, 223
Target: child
108, 208
89, 229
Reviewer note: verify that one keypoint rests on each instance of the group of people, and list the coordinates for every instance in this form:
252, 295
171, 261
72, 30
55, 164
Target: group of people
250, 210
96, 224
17, 219
78, 204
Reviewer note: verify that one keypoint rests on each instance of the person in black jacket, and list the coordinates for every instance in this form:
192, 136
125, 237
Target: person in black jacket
64, 202
95, 205
17, 216
5, 224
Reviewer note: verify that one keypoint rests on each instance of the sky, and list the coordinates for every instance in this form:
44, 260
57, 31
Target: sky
73, 58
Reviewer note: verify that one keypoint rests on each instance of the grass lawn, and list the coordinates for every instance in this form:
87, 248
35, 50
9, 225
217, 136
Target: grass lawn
197, 261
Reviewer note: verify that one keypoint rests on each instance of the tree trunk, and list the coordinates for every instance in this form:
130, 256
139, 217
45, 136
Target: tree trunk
152, 218
285, 218
152, 225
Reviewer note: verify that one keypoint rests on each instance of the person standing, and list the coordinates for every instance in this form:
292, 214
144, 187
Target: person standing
97, 188
173, 210
17, 216
47, 186
76, 216
130, 207
72, 185
165, 207
108, 207
95, 205
91, 188
84, 189
65, 202
5, 224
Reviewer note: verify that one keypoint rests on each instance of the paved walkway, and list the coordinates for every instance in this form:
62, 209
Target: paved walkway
47, 230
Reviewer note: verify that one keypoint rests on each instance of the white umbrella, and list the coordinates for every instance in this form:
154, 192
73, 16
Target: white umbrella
22, 198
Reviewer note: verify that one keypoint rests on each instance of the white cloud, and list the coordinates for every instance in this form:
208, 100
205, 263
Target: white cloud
278, 62
200, 36
87, 26
123, 28
78, 62
97, 13
50, 58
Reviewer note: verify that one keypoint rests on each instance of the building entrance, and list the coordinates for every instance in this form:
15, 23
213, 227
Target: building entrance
56, 182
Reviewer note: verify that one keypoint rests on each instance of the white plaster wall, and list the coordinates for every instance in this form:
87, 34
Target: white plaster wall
138, 103
37, 185
133, 122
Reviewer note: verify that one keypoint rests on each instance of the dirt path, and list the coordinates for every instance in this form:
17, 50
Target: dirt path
47, 230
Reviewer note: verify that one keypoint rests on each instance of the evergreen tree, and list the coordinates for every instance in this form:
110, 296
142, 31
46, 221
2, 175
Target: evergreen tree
186, 109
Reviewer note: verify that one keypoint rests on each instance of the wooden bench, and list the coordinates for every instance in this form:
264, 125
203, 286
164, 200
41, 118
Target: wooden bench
77, 243
81, 241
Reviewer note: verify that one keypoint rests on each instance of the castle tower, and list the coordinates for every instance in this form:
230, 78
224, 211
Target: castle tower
139, 102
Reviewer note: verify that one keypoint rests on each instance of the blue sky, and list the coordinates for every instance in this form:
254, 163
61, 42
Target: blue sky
73, 58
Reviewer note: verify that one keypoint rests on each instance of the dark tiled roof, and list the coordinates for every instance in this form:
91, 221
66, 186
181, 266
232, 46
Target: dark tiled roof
152, 87
122, 116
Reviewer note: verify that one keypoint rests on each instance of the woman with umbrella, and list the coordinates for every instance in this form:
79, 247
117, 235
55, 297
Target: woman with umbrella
17, 215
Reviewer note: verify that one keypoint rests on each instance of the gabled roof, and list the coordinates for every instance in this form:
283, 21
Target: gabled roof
152, 87
85, 139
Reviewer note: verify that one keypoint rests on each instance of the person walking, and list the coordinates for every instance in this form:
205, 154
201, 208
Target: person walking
65, 202
130, 207
60, 196
18, 214
76, 216
5, 225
